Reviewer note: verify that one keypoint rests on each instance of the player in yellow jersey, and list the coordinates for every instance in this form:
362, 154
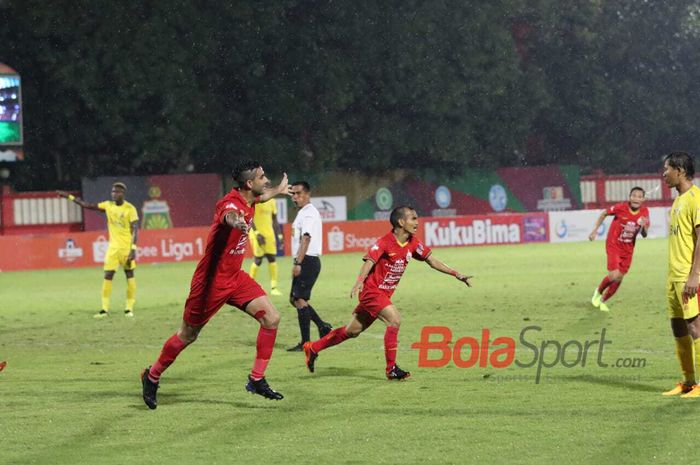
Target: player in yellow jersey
263, 237
684, 270
122, 223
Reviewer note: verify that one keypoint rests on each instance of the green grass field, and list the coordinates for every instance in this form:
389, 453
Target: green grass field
71, 392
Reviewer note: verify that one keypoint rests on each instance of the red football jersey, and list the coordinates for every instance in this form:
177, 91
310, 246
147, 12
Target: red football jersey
390, 260
225, 249
625, 226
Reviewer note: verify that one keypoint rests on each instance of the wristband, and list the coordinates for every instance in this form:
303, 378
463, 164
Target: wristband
133, 246
297, 262
71, 197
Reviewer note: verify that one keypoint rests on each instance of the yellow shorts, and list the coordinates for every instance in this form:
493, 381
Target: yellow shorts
269, 248
116, 257
676, 307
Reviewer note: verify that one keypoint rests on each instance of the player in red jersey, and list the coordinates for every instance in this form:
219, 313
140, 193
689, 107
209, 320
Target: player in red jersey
384, 264
629, 219
219, 279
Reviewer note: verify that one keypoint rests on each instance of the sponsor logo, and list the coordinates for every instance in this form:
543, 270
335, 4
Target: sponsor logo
358, 242
443, 197
478, 232
553, 199
71, 252
384, 198
338, 241
498, 199
535, 228
336, 238
499, 352
99, 249
326, 210
562, 229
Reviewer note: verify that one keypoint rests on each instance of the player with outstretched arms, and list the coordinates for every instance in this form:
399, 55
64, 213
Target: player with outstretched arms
123, 227
384, 265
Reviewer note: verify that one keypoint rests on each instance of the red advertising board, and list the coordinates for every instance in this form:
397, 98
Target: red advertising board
515, 228
69, 250
474, 230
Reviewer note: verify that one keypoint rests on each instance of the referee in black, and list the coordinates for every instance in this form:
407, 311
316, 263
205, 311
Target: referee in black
307, 243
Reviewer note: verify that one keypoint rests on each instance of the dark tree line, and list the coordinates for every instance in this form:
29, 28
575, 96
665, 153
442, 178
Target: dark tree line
150, 86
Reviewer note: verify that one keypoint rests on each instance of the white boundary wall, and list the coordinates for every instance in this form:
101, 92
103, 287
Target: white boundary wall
576, 225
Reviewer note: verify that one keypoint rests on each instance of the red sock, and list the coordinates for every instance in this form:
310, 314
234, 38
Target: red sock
265, 344
611, 290
335, 337
604, 284
391, 344
171, 349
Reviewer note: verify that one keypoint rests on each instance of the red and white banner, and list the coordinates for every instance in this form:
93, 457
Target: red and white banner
69, 250
516, 228
472, 230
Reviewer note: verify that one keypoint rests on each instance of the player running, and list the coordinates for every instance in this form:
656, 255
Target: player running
219, 279
379, 276
629, 219
123, 226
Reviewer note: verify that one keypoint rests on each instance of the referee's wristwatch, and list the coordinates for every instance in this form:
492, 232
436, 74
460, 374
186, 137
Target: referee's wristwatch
297, 262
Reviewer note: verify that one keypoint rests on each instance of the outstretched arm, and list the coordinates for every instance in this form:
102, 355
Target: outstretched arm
364, 271
281, 188
441, 267
78, 200
598, 222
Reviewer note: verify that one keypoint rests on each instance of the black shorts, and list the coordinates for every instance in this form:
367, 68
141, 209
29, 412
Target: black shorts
302, 284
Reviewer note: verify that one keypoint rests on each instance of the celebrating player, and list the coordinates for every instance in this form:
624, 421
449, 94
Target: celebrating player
684, 270
262, 236
219, 279
629, 219
123, 226
384, 264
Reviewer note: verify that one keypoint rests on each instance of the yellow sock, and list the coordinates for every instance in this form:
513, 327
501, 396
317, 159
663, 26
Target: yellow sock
253, 270
273, 275
684, 352
696, 343
130, 293
106, 293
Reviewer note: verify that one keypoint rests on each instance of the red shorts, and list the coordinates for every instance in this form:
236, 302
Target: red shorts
371, 304
619, 260
204, 301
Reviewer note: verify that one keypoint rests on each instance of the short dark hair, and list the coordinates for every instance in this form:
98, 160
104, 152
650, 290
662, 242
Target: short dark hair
399, 213
637, 188
303, 184
245, 171
120, 185
681, 161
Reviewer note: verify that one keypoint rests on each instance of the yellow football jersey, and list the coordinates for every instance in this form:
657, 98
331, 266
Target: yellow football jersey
685, 216
263, 217
119, 219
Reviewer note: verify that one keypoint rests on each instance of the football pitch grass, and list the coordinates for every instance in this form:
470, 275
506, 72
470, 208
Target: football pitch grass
71, 392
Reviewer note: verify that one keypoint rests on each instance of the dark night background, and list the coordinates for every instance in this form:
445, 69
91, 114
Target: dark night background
144, 87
